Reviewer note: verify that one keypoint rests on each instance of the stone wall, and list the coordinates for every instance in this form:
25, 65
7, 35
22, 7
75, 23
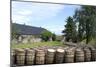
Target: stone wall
26, 39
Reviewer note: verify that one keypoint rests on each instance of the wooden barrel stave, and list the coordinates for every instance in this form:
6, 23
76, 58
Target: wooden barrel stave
79, 55
69, 55
50, 56
30, 56
59, 58
40, 57
20, 57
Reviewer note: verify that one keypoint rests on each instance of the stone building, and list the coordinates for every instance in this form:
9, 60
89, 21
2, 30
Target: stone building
26, 34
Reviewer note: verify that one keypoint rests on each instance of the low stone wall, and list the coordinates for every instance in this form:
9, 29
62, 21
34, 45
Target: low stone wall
52, 55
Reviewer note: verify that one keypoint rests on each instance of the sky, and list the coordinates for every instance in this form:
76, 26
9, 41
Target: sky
49, 16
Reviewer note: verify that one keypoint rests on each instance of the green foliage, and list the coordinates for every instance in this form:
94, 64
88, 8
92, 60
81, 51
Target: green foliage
14, 31
59, 37
54, 37
45, 35
70, 30
86, 17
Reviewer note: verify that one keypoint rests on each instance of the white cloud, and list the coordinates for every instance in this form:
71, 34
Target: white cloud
25, 12
47, 10
39, 11
54, 29
18, 18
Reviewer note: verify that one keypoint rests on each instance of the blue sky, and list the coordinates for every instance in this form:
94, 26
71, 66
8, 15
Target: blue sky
49, 16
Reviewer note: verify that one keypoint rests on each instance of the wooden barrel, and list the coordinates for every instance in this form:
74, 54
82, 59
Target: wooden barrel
79, 55
65, 48
93, 54
87, 54
12, 57
26, 49
69, 55
15, 50
30, 56
20, 57
40, 57
59, 58
50, 56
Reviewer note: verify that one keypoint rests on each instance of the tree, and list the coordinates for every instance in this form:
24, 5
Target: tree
14, 32
53, 36
70, 30
79, 18
86, 17
46, 35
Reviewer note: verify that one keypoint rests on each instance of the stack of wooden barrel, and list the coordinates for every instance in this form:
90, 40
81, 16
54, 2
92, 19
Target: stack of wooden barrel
38, 56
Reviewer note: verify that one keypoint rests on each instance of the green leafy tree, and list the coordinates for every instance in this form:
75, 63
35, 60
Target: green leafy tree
46, 35
86, 17
70, 30
54, 37
14, 32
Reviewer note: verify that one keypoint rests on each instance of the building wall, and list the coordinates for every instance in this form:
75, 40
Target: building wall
27, 39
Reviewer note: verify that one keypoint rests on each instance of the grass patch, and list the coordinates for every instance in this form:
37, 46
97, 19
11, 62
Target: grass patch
91, 43
36, 44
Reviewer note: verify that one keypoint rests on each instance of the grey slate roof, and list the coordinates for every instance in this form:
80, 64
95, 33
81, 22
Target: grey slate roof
27, 30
